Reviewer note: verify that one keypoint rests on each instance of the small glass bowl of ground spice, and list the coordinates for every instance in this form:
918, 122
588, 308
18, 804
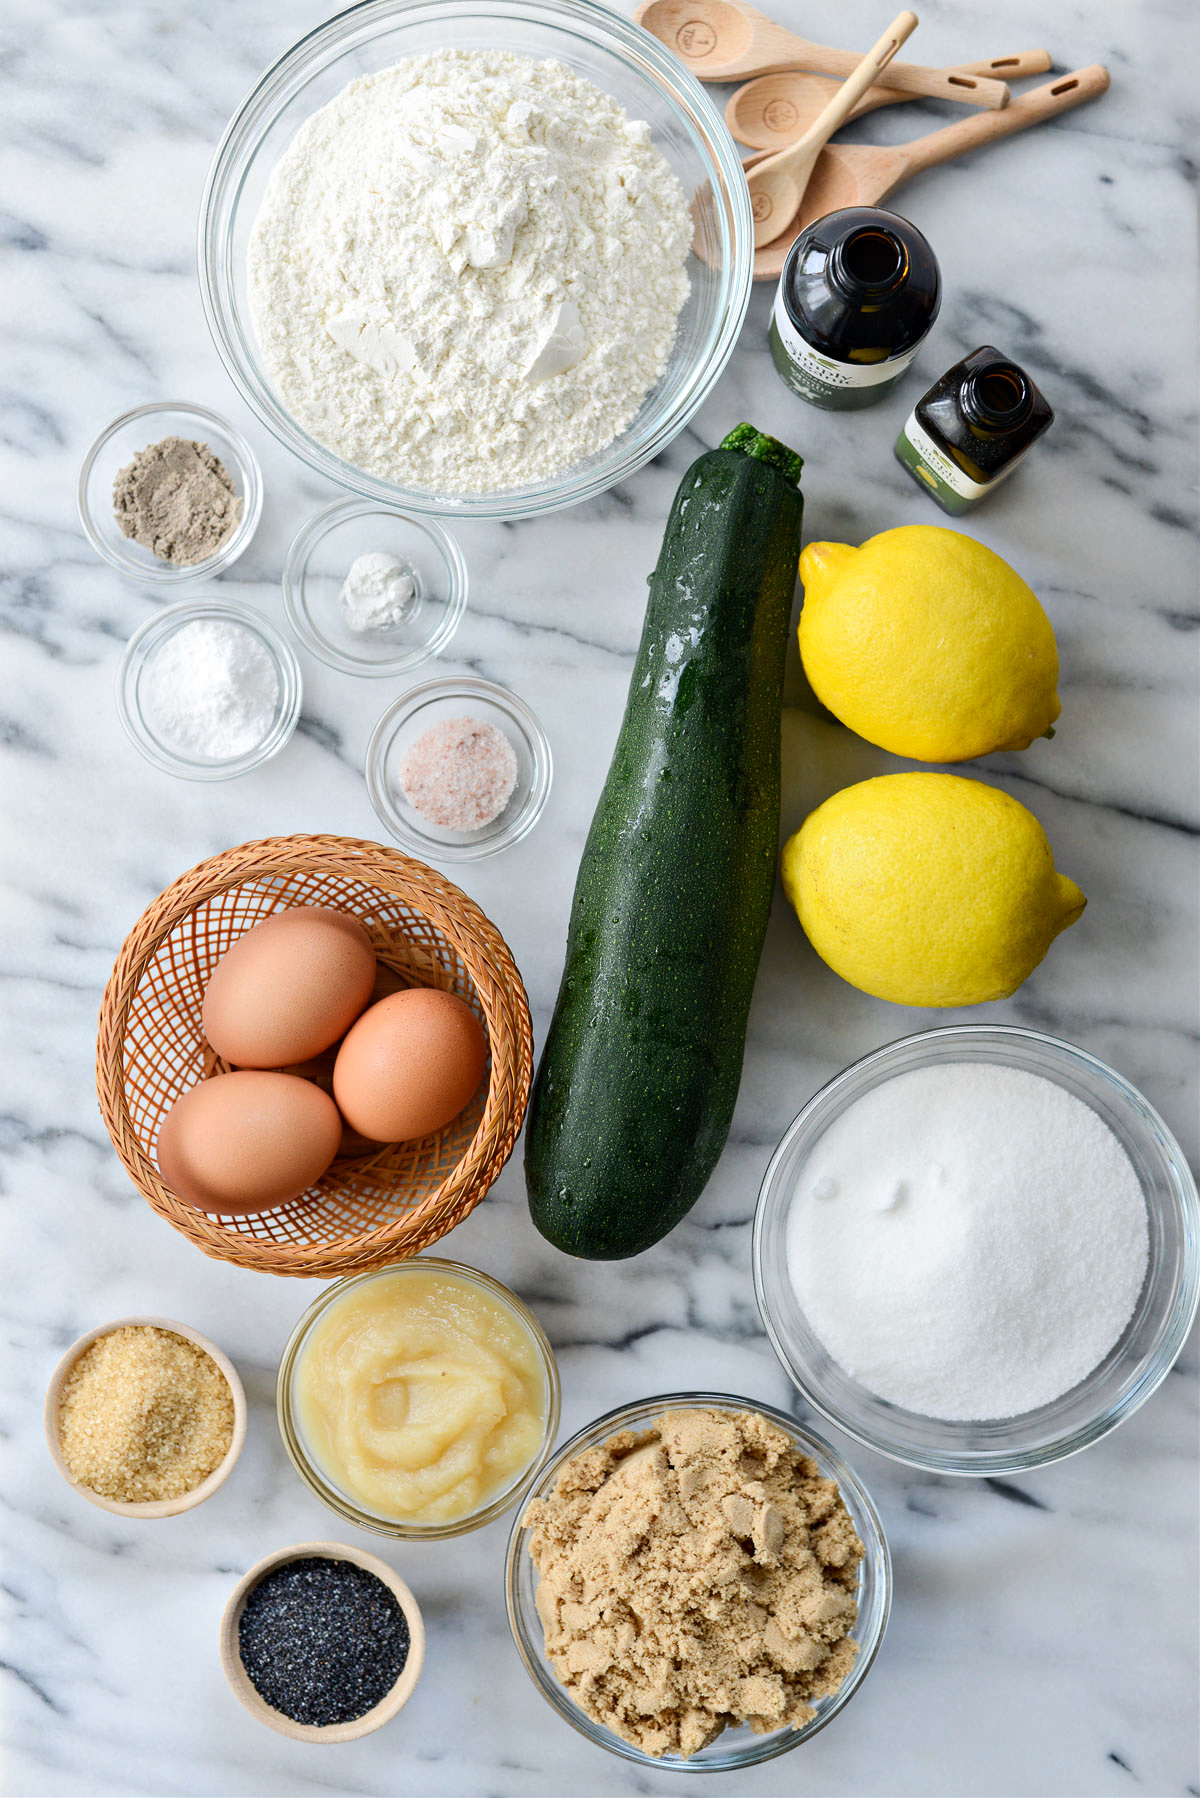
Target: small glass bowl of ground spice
170, 492
145, 1417
458, 769
207, 691
372, 591
322, 1642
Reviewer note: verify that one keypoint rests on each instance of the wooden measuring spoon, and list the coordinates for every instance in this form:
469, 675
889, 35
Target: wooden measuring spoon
865, 174
777, 183
774, 110
720, 41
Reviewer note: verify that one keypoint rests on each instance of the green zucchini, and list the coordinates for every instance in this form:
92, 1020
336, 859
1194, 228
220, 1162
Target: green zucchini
640, 1070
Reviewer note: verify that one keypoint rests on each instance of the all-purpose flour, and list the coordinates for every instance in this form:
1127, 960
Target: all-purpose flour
467, 270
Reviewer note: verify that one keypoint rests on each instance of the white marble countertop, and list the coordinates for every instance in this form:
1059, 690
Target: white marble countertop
1043, 1638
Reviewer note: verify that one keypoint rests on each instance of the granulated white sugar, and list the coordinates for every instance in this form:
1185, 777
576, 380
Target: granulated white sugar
968, 1240
459, 774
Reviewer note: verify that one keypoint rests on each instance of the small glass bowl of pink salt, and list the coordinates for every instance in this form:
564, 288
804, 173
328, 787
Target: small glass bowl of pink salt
458, 769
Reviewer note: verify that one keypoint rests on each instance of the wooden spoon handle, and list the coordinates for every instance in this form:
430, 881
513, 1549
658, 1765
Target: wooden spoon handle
909, 77
743, 114
1009, 68
1046, 102
745, 110
767, 48
847, 96
999, 67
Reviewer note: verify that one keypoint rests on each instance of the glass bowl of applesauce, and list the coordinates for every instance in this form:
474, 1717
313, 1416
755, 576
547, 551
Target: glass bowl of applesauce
419, 1401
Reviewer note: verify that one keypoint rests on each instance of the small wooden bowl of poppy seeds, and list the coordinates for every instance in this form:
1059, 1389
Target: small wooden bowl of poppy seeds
322, 1642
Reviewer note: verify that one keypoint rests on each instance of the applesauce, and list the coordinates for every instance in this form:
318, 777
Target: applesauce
422, 1393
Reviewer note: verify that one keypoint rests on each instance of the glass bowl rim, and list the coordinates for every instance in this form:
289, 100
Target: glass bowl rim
832, 1465
1179, 1316
282, 655
295, 570
223, 192
339, 1502
470, 687
168, 574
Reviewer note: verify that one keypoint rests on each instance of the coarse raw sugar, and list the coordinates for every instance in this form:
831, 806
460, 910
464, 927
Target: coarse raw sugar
696, 1577
144, 1415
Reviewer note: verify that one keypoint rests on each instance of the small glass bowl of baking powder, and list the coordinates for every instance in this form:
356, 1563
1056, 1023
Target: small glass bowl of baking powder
733, 1748
116, 448
318, 565
1134, 1366
163, 704
442, 702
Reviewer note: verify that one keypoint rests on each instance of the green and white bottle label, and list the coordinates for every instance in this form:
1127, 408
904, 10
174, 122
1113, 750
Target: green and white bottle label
951, 487
822, 378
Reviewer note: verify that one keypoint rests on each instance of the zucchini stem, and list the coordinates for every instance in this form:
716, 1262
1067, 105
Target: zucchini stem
766, 449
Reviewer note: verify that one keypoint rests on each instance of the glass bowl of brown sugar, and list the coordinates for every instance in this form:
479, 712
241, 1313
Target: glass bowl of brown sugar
536, 1601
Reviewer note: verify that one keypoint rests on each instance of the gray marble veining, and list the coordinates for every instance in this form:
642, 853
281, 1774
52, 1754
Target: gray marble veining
1043, 1639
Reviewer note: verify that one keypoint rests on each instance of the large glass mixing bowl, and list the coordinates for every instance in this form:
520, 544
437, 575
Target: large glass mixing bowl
621, 59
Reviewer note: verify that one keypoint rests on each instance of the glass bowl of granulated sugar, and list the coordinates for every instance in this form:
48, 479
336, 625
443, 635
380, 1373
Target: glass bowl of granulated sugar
515, 307
977, 1250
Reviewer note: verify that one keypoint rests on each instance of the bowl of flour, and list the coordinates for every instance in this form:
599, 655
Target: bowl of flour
484, 259
976, 1250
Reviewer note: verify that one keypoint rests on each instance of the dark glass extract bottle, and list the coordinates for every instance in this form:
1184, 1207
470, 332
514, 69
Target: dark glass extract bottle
972, 428
857, 296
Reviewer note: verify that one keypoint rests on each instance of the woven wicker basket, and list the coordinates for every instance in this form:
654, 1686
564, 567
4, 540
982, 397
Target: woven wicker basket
364, 1213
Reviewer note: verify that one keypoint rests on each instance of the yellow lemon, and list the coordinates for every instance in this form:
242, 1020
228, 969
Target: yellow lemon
928, 644
928, 889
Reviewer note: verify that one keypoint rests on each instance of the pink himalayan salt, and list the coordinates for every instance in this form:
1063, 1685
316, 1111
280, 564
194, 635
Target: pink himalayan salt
459, 774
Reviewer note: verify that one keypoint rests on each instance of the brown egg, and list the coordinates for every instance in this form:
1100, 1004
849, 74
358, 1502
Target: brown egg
289, 987
409, 1065
319, 1069
243, 1142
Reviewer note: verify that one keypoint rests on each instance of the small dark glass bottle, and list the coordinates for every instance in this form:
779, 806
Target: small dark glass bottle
857, 296
972, 428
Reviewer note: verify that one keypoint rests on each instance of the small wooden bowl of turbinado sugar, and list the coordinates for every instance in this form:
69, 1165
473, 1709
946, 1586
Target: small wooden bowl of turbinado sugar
145, 1417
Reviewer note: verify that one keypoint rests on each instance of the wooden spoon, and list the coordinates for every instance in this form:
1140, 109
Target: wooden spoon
865, 174
720, 41
777, 183
774, 110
